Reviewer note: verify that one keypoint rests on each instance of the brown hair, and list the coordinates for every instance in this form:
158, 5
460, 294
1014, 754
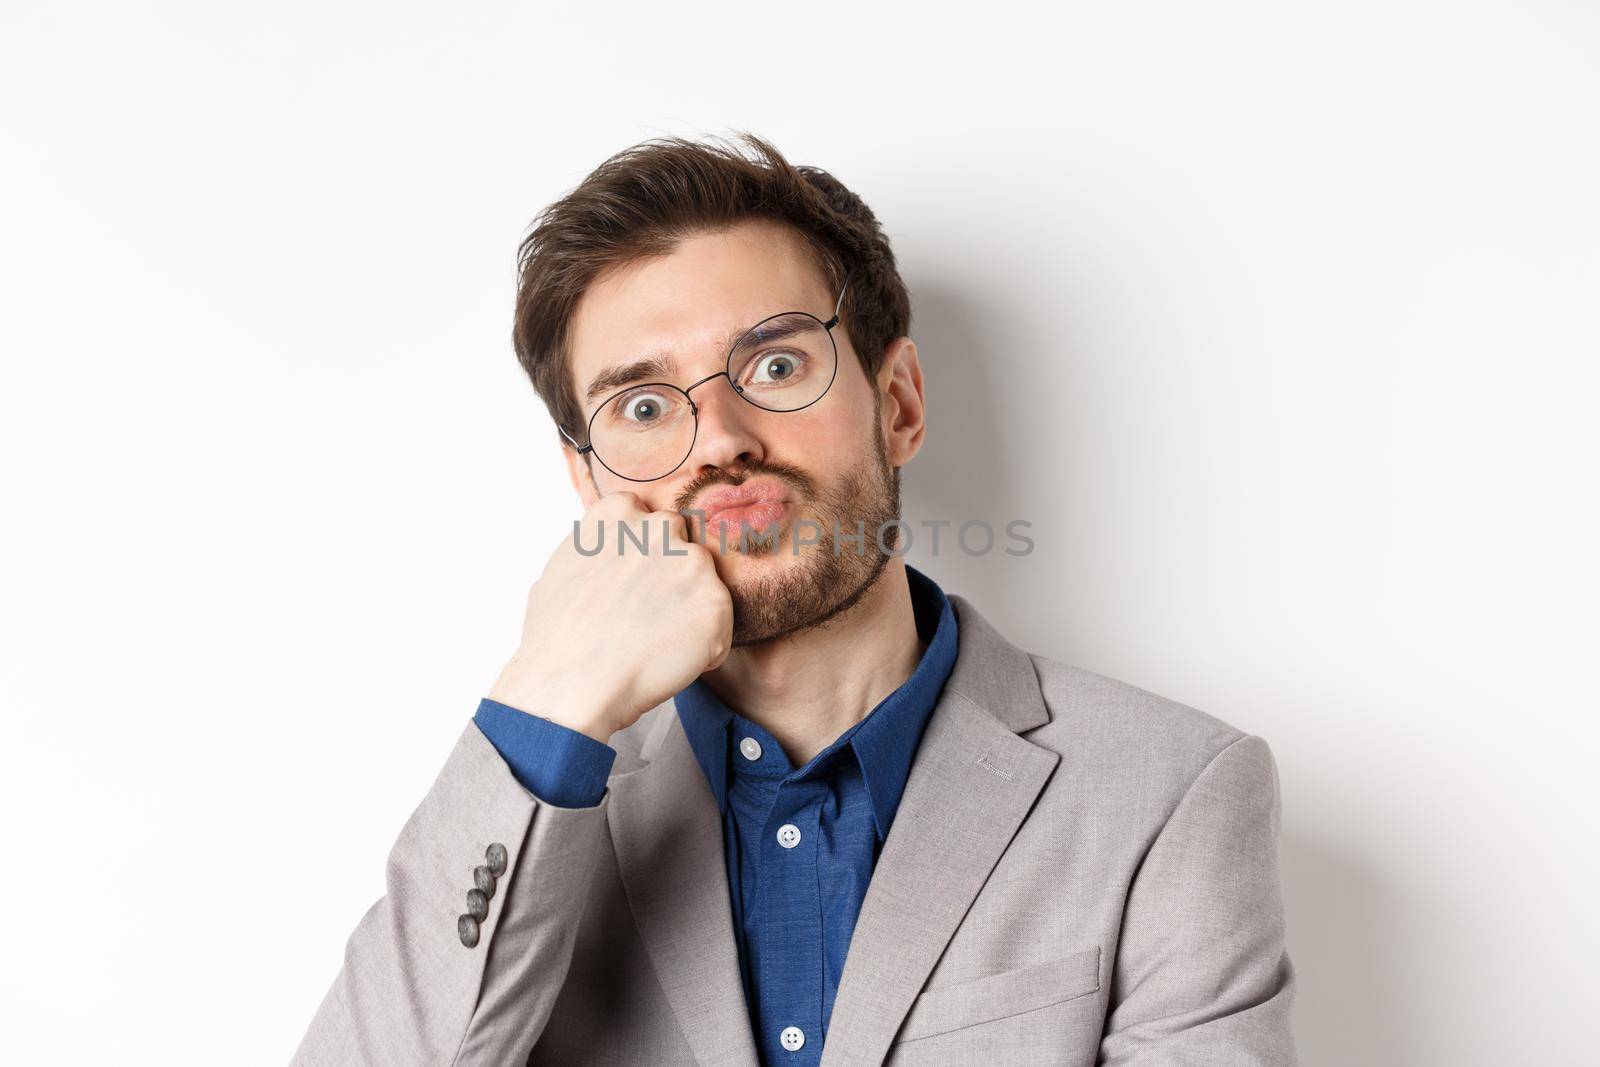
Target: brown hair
645, 199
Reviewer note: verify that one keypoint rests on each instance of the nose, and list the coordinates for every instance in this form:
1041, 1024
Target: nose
726, 434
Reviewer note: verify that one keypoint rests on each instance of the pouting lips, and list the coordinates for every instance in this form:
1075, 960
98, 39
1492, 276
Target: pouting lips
756, 491
757, 503
726, 524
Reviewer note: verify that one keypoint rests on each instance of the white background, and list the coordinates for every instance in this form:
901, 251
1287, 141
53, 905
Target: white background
1276, 321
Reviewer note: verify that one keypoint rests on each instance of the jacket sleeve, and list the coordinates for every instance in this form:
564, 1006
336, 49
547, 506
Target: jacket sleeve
1201, 973
412, 990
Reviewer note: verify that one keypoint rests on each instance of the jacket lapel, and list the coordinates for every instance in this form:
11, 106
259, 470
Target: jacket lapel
668, 838
972, 782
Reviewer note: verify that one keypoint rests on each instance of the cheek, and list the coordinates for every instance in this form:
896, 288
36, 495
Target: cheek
828, 432
652, 496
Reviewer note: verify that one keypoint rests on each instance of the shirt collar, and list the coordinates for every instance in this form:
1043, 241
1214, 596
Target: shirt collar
884, 742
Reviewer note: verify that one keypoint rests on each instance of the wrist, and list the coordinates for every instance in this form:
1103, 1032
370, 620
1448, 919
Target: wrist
586, 713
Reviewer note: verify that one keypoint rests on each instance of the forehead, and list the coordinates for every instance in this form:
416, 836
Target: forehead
685, 305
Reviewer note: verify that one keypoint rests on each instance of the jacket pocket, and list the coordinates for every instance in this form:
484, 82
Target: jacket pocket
996, 996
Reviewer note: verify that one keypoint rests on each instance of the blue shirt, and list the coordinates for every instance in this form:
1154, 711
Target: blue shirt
800, 843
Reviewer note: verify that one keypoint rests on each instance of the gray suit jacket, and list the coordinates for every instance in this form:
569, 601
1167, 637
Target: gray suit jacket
1080, 872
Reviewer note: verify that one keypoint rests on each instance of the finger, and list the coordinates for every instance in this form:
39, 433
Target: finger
674, 524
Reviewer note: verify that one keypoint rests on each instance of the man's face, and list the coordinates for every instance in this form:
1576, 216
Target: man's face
827, 462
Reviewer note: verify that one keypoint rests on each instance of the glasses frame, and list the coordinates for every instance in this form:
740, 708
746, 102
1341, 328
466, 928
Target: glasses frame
725, 372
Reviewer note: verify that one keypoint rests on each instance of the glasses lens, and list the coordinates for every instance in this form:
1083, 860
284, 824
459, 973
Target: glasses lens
784, 363
644, 432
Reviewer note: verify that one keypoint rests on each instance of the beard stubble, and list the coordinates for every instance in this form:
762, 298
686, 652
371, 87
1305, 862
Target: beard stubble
831, 575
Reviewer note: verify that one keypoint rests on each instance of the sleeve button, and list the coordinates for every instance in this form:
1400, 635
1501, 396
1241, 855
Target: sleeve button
484, 881
467, 927
496, 855
477, 905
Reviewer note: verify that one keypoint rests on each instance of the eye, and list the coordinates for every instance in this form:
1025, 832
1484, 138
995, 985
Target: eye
776, 368
642, 409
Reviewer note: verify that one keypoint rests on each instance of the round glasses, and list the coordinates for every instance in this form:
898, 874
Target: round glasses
785, 362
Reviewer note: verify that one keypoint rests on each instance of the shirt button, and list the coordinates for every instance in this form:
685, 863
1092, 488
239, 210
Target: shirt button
792, 1037
788, 837
750, 748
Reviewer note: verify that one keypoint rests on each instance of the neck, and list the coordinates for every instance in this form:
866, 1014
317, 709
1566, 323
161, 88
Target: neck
808, 688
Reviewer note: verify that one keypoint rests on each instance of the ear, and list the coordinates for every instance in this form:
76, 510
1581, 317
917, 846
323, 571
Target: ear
581, 475
900, 384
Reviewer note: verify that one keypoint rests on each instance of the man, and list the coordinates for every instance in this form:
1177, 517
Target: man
752, 790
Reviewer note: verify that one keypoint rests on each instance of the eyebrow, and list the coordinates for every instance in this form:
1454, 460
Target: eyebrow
661, 365
613, 378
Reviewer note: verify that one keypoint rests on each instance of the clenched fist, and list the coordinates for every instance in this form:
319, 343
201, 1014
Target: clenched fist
609, 636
